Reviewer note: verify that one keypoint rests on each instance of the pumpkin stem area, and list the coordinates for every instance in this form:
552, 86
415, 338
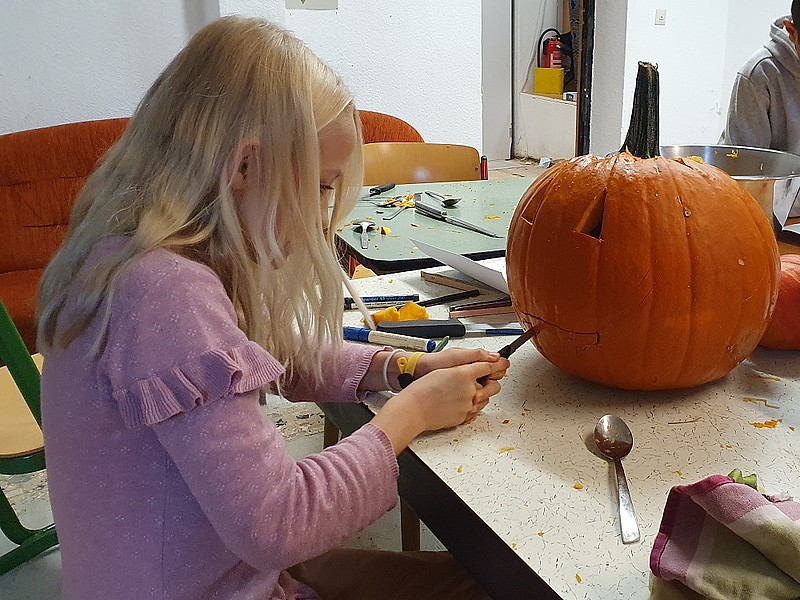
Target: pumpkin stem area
642, 138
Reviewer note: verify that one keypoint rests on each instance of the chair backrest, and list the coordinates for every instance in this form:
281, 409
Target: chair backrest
380, 127
16, 357
415, 162
41, 173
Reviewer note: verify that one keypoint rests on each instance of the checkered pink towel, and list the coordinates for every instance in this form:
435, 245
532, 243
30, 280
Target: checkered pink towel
722, 540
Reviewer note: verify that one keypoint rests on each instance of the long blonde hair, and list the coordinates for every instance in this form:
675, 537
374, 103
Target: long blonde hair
165, 184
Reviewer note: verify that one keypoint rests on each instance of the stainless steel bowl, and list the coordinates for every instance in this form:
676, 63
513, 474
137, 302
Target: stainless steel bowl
772, 177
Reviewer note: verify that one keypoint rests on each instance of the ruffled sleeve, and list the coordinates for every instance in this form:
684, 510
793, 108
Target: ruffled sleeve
174, 343
212, 375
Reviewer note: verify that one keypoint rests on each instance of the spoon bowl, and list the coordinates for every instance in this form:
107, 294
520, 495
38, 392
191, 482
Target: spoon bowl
446, 201
614, 439
365, 227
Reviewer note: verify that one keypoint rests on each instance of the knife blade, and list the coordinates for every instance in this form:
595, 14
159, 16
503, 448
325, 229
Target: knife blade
441, 215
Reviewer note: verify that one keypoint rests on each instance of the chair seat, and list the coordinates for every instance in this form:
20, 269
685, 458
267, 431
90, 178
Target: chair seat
19, 432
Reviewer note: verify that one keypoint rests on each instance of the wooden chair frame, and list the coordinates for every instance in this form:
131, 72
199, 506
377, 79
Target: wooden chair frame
30, 542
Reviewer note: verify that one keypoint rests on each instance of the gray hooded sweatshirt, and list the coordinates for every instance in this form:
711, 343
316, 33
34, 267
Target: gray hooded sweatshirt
764, 111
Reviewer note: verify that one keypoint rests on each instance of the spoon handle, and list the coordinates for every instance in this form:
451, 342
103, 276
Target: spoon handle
364, 237
627, 516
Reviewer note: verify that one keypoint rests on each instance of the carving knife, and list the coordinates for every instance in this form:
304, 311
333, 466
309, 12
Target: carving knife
509, 349
441, 215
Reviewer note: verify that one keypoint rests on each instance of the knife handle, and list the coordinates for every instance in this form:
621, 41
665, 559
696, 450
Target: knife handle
427, 328
429, 211
379, 189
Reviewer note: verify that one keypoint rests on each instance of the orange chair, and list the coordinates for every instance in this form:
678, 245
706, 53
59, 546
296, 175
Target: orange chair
380, 127
41, 173
415, 162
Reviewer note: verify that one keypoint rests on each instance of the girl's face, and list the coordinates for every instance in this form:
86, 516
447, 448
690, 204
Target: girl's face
337, 141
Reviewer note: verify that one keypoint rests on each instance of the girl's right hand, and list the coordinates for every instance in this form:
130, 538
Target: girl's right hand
442, 398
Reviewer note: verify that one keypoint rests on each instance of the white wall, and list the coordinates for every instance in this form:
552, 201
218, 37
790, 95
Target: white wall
698, 53
87, 59
531, 17
496, 78
74, 61
608, 76
418, 60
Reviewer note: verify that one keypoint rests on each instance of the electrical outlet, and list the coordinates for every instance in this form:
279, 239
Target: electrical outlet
661, 16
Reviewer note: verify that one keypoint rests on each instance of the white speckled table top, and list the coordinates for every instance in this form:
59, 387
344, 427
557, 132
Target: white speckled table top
526, 468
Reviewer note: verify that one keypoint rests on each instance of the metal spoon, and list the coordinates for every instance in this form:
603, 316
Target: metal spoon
365, 227
446, 201
614, 439
383, 202
402, 208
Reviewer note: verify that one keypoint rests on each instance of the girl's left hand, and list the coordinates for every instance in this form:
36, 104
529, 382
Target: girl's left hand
454, 357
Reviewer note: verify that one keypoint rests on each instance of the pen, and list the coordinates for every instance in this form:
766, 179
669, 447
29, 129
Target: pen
494, 331
381, 301
442, 343
434, 328
396, 340
450, 298
485, 304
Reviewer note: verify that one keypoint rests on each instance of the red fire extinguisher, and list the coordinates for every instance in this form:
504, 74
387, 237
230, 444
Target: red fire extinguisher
552, 58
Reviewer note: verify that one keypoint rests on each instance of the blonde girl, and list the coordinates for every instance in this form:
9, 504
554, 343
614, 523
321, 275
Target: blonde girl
198, 269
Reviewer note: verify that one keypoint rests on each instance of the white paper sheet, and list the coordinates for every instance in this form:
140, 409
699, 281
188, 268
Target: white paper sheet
492, 272
785, 194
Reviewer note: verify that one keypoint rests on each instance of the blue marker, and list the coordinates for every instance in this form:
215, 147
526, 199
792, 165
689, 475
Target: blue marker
381, 301
396, 340
496, 331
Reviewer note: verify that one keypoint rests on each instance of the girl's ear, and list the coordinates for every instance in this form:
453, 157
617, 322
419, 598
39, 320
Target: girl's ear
241, 163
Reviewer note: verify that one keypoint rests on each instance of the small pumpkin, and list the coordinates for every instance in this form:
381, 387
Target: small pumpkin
783, 331
642, 272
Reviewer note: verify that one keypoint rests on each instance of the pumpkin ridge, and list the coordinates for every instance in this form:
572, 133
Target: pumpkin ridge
541, 186
642, 356
754, 218
691, 316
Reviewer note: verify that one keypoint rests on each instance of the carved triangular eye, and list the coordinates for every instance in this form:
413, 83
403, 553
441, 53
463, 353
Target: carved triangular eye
591, 222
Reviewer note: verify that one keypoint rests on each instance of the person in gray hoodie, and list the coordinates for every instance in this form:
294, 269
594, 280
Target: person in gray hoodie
764, 110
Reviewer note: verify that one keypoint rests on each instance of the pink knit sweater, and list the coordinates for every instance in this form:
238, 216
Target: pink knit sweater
166, 479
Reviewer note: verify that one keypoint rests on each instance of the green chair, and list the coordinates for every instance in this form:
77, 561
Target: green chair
21, 443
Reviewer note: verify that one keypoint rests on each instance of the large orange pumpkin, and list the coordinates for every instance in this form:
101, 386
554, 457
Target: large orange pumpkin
642, 273
783, 332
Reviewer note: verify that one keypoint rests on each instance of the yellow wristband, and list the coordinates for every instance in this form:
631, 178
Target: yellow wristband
407, 366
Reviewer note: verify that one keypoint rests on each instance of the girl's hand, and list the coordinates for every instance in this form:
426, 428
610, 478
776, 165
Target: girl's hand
453, 357
444, 397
